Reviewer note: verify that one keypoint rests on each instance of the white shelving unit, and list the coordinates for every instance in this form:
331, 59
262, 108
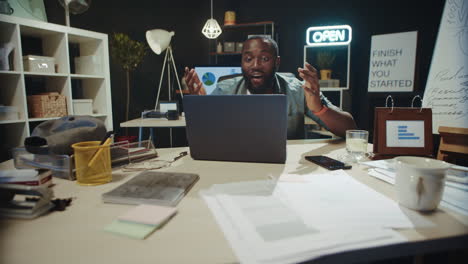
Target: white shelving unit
340, 95
342, 64
63, 44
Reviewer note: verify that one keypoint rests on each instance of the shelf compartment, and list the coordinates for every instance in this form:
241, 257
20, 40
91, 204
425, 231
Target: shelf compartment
9, 38
91, 88
48, 43
84, 55
12, 93
37, 84
12, 135
340, 66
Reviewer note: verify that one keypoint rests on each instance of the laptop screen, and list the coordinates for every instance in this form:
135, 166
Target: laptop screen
209, 75
250, 128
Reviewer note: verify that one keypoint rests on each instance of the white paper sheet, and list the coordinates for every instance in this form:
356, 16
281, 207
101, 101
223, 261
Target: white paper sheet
336, 199
264, 229
265, 223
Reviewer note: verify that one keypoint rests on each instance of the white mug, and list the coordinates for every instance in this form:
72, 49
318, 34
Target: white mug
420, 182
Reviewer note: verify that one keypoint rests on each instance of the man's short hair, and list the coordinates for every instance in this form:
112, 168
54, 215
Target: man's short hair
272, 42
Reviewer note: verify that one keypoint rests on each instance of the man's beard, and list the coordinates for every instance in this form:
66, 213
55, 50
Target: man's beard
265, 87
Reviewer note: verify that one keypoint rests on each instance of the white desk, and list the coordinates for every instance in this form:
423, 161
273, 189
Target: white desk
152, 123
76, 235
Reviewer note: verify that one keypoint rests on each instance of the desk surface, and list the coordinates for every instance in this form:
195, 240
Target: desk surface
76, 235
154, 122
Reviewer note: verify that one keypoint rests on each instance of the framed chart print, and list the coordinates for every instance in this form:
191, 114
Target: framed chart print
402, 131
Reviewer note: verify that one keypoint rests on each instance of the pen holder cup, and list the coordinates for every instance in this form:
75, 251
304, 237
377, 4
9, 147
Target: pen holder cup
92, 163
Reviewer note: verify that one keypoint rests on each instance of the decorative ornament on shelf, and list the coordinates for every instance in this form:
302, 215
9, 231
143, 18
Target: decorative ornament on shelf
129, 54
211, 29
75, 7
325, 60
229, 18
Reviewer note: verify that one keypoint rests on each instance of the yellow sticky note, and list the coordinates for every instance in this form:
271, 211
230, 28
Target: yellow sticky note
130, 229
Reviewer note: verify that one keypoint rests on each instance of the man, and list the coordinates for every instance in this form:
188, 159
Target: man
260, 61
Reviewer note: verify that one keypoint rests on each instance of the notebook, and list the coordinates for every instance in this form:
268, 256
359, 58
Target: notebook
247, 128
152, 187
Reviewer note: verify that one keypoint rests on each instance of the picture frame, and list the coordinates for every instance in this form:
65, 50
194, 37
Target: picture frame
402, 131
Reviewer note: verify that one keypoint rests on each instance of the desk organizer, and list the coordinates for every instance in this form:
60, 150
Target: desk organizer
124, 152
62, 166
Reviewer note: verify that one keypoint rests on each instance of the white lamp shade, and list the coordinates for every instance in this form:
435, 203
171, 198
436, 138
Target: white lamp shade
211, 29
159, 39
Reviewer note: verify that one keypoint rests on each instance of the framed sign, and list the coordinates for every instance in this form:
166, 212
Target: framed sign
402, 131
392, 62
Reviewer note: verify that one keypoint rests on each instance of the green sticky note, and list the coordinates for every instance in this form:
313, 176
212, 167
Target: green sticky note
130, 229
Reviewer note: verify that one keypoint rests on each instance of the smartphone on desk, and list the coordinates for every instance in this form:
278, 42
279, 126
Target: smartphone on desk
329, 163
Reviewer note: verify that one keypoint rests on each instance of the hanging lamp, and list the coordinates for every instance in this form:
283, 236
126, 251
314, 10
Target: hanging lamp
211, 29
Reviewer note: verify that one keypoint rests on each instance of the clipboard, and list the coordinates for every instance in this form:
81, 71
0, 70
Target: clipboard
402, 131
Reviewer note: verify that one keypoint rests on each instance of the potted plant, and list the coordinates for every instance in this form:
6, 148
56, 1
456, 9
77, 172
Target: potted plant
325, 60
129, 54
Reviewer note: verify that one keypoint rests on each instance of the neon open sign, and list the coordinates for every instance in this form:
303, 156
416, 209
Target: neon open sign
329, 35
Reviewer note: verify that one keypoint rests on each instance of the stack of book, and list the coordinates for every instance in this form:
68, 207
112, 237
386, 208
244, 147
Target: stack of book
25, 193
26, 177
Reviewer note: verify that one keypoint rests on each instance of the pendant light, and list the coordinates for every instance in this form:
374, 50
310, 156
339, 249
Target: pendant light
211, 29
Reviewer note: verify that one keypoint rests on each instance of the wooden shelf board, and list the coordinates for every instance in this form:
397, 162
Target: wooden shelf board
86, 76
12, 121
261, 23
45, 74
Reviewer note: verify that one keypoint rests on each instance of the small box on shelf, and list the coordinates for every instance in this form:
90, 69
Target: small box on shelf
229, 47
91, 65
82, 106
47, 105
331, 83
33, 63
239, 46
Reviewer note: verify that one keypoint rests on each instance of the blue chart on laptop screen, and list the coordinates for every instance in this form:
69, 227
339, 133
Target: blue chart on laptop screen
209, 75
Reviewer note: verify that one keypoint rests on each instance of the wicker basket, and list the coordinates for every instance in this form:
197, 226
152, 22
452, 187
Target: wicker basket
47, 105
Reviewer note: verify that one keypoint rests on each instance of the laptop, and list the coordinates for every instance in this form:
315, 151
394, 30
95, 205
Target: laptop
247, 128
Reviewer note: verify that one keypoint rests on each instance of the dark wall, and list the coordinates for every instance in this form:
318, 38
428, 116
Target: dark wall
293, 17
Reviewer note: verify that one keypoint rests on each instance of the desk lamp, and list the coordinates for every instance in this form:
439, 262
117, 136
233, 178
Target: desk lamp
159, 40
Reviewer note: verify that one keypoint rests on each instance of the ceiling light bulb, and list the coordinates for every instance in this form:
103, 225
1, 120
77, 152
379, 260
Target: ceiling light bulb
211, 29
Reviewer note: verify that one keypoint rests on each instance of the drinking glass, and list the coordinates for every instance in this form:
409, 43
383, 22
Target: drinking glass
356, 144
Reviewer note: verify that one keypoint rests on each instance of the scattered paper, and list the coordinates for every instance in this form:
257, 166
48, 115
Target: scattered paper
300, 217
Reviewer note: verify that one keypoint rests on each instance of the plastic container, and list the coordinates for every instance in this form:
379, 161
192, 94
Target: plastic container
82, 106
60, 165
8, 113
92, 163
33, 63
